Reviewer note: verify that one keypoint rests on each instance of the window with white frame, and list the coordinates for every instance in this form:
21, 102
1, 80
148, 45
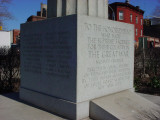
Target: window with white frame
136, 31
130, 17
137, 19
121, 15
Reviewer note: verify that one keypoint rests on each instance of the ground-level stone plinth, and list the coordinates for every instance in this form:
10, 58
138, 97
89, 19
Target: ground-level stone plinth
68, 61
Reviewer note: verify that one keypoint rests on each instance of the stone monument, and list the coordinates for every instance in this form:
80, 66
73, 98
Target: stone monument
96, 8
75, 56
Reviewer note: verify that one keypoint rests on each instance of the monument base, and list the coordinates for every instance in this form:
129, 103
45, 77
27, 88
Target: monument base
75, 59
67, 109
125, 105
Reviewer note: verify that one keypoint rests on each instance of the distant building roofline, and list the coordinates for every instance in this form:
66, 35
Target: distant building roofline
152, 17
30, 19
127, 5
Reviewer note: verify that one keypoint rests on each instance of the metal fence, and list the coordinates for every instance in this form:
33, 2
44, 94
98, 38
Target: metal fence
147, 61
9, 69
147, 69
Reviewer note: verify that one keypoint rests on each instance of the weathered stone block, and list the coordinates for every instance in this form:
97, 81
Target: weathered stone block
74, 59
96, 8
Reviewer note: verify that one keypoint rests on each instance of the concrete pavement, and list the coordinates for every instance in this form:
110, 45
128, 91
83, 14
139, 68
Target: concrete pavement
152, 98
11, 108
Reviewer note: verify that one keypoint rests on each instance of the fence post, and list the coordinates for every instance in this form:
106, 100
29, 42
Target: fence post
10, 68
143, 56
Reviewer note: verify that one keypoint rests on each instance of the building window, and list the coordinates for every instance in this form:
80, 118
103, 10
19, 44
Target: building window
131, 17
141, 21
121, 15
136, 31
137, 19
141, 32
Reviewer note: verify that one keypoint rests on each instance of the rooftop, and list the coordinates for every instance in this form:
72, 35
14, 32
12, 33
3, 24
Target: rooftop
127, 5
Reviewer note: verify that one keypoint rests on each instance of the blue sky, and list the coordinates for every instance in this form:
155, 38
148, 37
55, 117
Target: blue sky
22, 9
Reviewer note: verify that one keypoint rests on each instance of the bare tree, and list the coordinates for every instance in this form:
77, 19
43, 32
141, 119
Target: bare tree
4, 13
156, 11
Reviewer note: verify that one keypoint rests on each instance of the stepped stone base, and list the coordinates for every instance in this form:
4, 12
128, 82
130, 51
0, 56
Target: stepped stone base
125, 105
73, 111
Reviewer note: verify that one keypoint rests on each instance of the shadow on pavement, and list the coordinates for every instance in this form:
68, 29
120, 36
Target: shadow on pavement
15, 96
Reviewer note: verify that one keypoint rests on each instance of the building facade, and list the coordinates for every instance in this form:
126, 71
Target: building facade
43, 12
149, 42
125, 12
152, 30
16, 35
35, 18
146, 22
41, 15
5, 39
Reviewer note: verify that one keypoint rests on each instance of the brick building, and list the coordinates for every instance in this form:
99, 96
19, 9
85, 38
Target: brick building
16, 35
125, 12
41, 15
35, 18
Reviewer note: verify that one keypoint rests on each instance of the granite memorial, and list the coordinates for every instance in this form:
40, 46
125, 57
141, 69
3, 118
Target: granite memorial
75, 56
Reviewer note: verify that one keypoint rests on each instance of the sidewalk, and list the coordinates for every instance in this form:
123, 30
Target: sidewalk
152, 98
12, 108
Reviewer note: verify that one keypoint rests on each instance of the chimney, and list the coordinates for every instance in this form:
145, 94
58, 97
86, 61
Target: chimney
137, 7
127, 1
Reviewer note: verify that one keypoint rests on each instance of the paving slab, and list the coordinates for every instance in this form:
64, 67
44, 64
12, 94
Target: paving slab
153, 98
125, 105
12, 108
15, 110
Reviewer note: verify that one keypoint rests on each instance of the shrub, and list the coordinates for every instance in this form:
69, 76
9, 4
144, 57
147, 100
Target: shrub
155, 82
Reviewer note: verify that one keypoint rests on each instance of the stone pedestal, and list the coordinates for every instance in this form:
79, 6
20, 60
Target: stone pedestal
68, 61
125, 105
54, 8
96, 8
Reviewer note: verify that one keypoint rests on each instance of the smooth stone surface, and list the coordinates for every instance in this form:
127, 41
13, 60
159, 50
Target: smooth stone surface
71, 7
15, 110
96, 8
76, 59
49, 57
93, 8
55, 11
86, 52
82, 7
11, 108
67, 109
153, 98
105, 57
125, 105
103, 8
59, 8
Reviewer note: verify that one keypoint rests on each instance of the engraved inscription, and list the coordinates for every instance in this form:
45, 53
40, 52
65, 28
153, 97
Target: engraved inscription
49, 52
109, 50
58, 54
32, 50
